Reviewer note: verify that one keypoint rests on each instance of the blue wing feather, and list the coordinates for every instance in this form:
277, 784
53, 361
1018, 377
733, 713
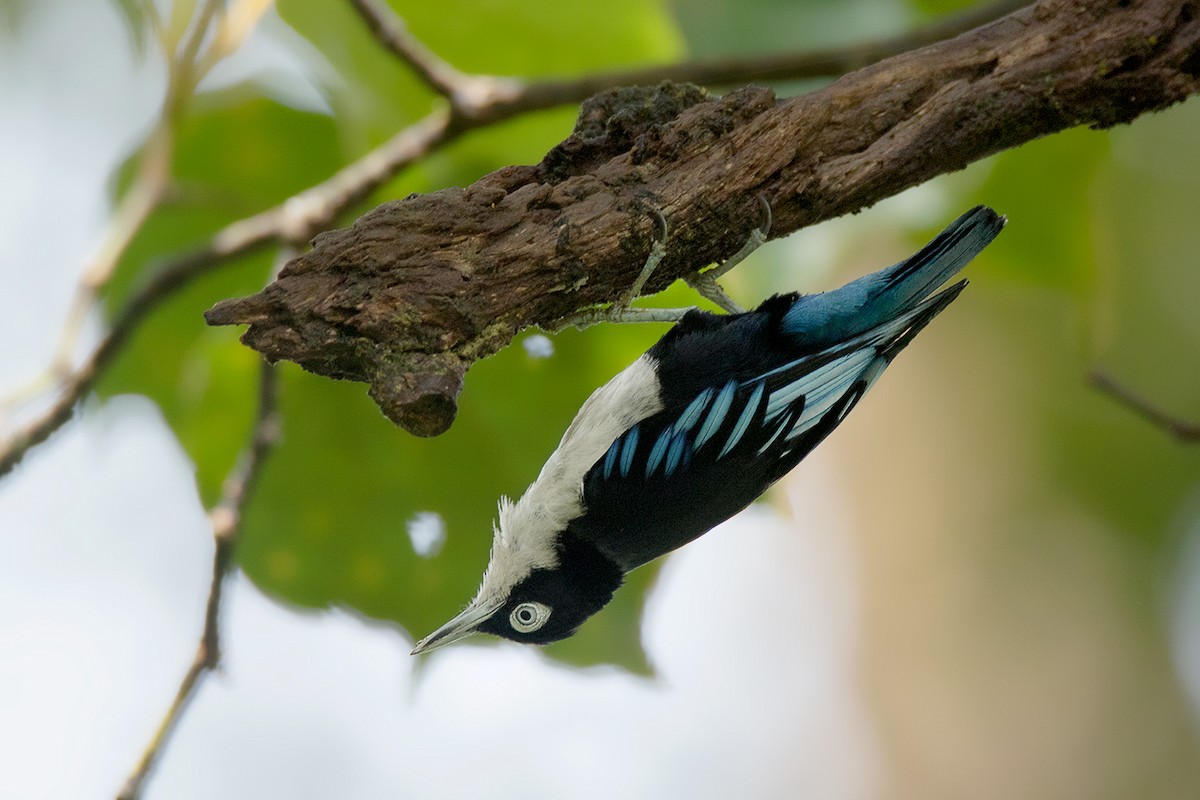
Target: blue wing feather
863, 304
746, 396
744, 419
628, 450
716, 414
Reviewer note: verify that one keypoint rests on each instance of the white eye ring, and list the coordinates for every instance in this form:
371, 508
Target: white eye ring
528, 617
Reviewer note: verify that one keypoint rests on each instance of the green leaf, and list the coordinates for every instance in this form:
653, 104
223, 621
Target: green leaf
1141, 326
238, 154
1055, 248
376, 93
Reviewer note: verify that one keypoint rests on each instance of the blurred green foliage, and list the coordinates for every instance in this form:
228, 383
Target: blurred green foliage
237, 153
327, 525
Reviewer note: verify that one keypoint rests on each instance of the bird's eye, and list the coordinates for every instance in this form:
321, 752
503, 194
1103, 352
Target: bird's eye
528, 617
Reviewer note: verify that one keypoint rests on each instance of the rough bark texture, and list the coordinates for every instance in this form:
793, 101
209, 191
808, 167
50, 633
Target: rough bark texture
419, 288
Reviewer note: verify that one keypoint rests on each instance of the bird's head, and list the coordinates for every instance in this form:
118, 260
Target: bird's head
541, 584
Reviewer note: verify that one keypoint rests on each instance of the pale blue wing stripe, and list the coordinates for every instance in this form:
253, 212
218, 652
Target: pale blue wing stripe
828, 400
610, 459
743, 422
691, 415
819, 404
872, 372
786, 421
866, 339
658, 451
834, 371
784, 368
716, 415
627, 451
814, 412
773, 413
678, 444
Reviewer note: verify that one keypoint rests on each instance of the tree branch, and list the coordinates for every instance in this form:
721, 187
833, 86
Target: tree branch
1179, 429
418, 289
164, 284
301, 216
147, 186
294, 220
488, 97
465, 92
488, 102
226, 518
809, 65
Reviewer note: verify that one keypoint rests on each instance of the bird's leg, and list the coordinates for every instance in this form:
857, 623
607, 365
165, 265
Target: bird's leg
708, 288
622, 310
658, 251
758, 237
706, 282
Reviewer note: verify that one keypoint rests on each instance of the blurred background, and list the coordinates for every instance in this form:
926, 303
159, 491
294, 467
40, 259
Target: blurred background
985, 585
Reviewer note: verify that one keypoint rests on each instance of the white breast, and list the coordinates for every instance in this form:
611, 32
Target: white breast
526, 536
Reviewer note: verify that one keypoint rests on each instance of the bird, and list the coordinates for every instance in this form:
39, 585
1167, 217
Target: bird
696, 429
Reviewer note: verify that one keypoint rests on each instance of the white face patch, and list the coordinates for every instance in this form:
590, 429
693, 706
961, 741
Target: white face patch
527, 535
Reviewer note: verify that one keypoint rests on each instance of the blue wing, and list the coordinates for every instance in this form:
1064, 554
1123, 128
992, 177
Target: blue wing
680, 472
822, 320
747, 396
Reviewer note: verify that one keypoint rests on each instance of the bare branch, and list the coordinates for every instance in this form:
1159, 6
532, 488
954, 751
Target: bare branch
493, 98
465, 92
391, 32
826, 63
418, 289
294, 220
146, 189
226, 518
185, 67
163, 285
1179, 429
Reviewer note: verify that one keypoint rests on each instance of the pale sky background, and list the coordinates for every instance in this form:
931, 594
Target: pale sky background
105, 557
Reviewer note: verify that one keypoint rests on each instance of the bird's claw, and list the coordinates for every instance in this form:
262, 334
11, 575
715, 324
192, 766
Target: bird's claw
705, 283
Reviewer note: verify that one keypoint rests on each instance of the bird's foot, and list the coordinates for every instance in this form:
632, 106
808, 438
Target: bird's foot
622, 310
706, 282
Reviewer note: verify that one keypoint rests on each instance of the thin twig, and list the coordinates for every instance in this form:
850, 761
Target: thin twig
163, 285
515, 98
145, 191
239, 19
294, 220
226, 519
463, 90
300, 217
185, 67
1181, 430
303, 215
